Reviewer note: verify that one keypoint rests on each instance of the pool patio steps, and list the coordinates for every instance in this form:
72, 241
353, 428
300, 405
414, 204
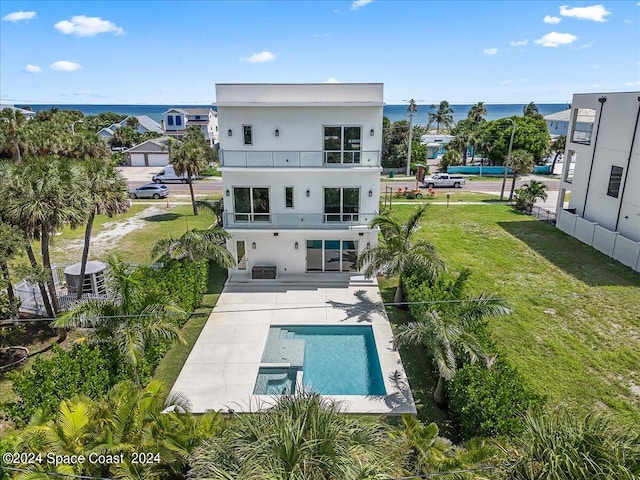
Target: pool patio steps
242, 282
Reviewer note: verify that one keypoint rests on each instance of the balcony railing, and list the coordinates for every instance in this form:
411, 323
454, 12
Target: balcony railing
298, 159
324, 221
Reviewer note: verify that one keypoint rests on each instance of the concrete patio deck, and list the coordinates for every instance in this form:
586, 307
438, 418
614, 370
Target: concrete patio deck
220, 373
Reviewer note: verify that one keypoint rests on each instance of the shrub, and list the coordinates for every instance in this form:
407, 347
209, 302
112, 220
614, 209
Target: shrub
490, 402
184, 282
82, 370
7, 445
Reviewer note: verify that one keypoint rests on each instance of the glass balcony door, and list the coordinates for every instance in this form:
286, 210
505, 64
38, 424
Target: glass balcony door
332, 255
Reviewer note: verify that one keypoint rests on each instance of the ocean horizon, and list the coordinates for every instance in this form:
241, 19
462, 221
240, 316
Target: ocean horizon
393, 112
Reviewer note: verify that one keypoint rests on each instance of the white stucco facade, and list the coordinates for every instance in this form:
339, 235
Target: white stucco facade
300, 171
603, 209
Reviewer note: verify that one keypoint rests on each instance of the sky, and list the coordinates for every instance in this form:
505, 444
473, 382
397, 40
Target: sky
174, 52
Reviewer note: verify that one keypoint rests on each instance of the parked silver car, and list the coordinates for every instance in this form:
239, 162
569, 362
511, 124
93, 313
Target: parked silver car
149, 190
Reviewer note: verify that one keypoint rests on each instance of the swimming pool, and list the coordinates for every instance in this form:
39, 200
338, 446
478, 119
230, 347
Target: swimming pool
335, 360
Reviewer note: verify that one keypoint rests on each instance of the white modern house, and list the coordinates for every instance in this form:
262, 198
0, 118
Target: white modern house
604, 186
300, 170
175, 122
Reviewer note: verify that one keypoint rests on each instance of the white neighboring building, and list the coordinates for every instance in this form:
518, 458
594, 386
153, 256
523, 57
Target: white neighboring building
175, 122
300, 170
604, 205
152, 153
145, 124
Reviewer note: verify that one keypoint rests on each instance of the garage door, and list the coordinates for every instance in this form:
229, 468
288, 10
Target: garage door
158, 159
137, 159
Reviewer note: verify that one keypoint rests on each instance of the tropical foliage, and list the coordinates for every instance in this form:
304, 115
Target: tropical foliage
531, 135
443, 116
521, 163
395, 138
526, 196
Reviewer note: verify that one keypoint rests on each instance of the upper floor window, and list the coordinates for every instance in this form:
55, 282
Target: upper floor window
169, 119
288, 197
247, 135
251, 204
341, 204
614, 181
583, 119
197, 117
178, 120
342, 144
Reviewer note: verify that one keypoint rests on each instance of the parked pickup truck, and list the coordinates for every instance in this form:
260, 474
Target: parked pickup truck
443, 180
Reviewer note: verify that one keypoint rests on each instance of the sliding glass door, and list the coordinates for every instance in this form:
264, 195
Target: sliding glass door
332, 255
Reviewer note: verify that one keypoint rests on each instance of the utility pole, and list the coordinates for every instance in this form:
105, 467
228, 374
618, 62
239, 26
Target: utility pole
506, 168
412, 108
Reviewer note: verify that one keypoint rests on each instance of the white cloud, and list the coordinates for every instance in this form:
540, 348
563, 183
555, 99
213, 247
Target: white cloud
490, 51
550, 19
505, 82
594, 13
360, 3
84, 26
331, 80
261, 57
555, 39
32, 69
628, 21
18, 16
632, 84
519, 43
64, 66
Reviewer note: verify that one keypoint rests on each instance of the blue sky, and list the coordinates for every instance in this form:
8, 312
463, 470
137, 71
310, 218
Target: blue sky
148, 52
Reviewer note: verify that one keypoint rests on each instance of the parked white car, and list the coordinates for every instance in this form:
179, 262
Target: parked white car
444, 180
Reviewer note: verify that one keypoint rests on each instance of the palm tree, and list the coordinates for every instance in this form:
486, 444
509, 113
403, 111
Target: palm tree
530, 110
108, 195
521, 162
442, 116
190, 158
196, 245
398, 249
477, 112
444, 323
558, 145
132, 318
216, 207
527, 195
12, 125
11, 245
302, 437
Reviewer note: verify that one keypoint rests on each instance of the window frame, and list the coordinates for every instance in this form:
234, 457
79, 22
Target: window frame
170, 120
247, 128
343, 214
615, 182
178, 120
345, 155
287, 203
251, 216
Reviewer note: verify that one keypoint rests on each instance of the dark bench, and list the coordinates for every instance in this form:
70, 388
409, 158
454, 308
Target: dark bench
264, 272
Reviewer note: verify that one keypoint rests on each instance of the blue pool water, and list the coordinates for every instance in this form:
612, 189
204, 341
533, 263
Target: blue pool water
335, 360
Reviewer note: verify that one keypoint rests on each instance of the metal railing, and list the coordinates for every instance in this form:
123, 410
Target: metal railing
298, 159
325, 221
544, 214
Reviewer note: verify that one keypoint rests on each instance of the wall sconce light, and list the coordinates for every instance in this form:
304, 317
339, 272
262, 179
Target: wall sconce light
308, 192
371, 132
295, 245
361, 234
230, 132
253, 245
226, 192
275, 234
277, 132
371, 193
368, 245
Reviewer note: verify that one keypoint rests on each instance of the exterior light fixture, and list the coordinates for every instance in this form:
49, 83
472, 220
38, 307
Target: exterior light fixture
253, 245
371, 132
227, 192
275, 234
277, 132
368, 245
308, 192
230, 132
295, 245
361, 234
371, 193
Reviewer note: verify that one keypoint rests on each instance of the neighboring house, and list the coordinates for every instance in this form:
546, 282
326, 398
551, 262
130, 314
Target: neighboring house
436, 144
27, 113
145, 124
558, 123
152, 153
300, 170
175, 122
603, 175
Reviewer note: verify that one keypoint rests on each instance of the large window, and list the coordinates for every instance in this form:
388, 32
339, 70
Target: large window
614, 181
583, 119
288, 197
251, 204
178, 120
341, 204
332, 255
169, 119
342, 144
248, 137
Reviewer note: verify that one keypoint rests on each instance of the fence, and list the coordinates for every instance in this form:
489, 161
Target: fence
544, 214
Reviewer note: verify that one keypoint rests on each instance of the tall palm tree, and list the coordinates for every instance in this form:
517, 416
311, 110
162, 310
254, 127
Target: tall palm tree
444, 323
11, 245
303, 437
216, 207
132, 318
530, 110
196, 245
398, 249
442, 116
521, 162
558, 145
107, 191
190, 158
12, 126
477, 112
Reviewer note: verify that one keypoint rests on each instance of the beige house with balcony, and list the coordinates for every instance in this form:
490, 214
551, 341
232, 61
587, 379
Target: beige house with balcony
300, 169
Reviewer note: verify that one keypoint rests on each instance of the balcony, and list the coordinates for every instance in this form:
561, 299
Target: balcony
297, 159
297, 221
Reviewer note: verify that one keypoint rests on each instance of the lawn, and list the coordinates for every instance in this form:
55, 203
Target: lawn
575, 329
441, 196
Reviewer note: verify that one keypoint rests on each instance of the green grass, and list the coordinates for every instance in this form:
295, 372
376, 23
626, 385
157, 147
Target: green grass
169, 368
454, 197
574, 330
